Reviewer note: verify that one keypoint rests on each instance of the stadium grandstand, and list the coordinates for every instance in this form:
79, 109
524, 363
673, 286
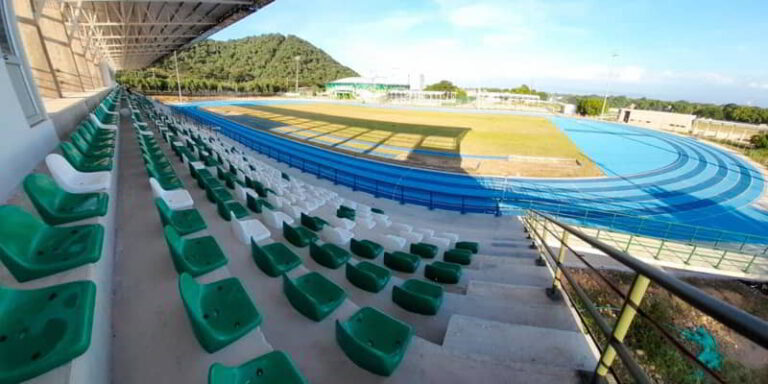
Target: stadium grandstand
142, 242
364, 87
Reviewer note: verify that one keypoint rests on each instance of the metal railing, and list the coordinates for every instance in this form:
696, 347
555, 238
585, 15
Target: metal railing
610, 338
495, 196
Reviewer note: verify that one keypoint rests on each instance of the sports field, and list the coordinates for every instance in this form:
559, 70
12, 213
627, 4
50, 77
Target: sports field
478, 144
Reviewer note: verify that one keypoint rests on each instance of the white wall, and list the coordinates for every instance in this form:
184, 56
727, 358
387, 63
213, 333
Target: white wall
21, 147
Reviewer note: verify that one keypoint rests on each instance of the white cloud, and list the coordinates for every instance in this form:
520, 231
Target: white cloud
758, 85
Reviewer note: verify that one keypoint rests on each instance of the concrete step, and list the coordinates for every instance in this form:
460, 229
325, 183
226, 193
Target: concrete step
426, 362
519, 343
513, 294
509, 312
532, 275
484, 261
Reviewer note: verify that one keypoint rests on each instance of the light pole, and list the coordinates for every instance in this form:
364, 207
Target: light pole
178, 82
297, 58
610, 72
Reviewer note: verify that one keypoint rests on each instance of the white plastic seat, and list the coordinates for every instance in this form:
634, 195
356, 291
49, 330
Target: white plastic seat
338, 236
341, 222
74, 181
426, 231
363, 222
275, 219
450, 236
176, 199
411, 237
243, 192
390, 242
381, 220
441, 242
292, 211
400, 227
252, 228
99, 124
276, 201
108, 111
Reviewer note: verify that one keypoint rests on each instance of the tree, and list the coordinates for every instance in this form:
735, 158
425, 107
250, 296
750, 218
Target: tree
442, 86
590, 106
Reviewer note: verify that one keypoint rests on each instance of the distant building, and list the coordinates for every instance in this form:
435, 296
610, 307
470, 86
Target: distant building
666, 121
502, 97
363, 87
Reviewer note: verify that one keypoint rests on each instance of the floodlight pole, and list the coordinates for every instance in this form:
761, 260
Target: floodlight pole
610, 70
297, 58
178, 82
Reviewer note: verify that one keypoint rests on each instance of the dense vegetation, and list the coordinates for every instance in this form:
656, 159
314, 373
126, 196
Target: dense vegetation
523, 89
728, 112
256, 64
446, 86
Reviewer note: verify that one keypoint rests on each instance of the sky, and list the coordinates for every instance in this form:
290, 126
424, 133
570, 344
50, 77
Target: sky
697, 50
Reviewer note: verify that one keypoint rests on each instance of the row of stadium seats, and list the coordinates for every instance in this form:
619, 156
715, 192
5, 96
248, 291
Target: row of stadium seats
43, 328
330, 226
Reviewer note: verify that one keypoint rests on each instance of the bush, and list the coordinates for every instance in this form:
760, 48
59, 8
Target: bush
760, 140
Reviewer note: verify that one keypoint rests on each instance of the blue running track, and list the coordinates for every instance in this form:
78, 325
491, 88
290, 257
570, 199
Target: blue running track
656, 184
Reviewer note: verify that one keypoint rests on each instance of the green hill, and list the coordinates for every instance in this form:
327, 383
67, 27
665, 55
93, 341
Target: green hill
261, 64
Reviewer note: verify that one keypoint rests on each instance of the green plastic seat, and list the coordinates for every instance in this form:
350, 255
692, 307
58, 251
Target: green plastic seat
184, 221
215, 192
41, 329
418, 296
441, 272
195, 256
57, 206
90, 151
30, 249
345, 213
298, 236
313, 295
275, 367
373, 340
425, 250
402, 261
227, 208
458, 256
328, 255
469, 245
220, 312
82, 163
368, 276
257, 205
274, 259
377, 210
365, 248
314, 223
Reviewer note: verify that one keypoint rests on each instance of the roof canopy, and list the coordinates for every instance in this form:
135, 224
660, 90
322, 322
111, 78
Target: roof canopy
134, 34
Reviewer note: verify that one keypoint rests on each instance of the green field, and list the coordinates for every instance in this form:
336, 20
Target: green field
537, 146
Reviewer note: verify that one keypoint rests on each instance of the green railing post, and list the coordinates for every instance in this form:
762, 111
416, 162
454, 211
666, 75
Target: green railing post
690, 256
629, 243
661, 247
628, 312
560, 258
722, 257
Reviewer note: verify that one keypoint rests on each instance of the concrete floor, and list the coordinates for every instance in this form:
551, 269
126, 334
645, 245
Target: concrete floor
153, 340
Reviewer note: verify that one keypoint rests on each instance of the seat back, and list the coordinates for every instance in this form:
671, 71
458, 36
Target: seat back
157, 190
163, 209
43, 191
174, 240
71, 153
18, 230
60, 168
191, 294
79, 142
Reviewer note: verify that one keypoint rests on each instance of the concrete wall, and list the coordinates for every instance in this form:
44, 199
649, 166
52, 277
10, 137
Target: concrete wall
21, 146
34, 47
676, 122
67, 113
